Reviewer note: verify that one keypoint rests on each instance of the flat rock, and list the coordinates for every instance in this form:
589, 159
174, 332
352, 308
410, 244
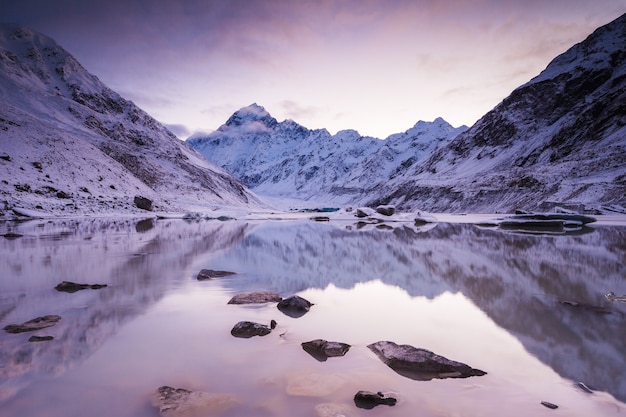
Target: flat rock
205, 274
179, 402
369, 400
34, 324
294, 306
71, 287
322, 349
256, 298
40, 338
420, 364
248, 329
334, 410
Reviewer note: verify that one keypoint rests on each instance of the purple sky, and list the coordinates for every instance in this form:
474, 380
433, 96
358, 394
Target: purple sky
377, 66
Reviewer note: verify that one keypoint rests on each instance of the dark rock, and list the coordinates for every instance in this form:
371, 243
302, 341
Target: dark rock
321, 349
11, 235
34, 324
248, 329
294, 306
71, 287
420, 364
549, 405
5, 156
362, 212
40, 338
256, 298
205, 274
320, 218
63, 194
369, 400
144, 225
143, 203
386, 210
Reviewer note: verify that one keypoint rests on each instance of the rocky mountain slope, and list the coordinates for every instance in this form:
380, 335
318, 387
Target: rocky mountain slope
70, 145
285, 159
559, 139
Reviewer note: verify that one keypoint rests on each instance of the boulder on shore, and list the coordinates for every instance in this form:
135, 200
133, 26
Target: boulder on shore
420, 364
248, 329
256, 298
34, 324
364, 212
205, 274
179, 402
294, 306
71, 287
322, 349
143, 203
386, 210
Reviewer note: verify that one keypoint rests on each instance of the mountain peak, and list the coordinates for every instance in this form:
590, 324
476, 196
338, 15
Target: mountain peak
251, 114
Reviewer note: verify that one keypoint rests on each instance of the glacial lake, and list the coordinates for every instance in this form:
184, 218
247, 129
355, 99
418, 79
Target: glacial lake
529, 309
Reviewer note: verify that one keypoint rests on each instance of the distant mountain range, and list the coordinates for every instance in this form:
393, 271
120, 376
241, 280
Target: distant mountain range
558, 140
285, 159
70, 145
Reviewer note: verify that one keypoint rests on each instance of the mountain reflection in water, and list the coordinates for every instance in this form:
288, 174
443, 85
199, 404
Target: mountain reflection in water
516, 280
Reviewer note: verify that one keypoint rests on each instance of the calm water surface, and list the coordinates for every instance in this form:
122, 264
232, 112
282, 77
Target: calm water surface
480, 296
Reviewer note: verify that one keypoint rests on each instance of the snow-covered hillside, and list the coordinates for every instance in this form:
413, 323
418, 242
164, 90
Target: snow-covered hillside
70, 145
285, 159
559, 139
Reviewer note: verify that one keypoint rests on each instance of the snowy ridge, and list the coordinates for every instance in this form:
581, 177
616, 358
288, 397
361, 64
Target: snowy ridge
560, 139
69, 145
285, 159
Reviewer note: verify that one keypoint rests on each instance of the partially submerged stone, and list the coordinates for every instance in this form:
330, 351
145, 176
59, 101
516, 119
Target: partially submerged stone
179, 402
420, 364
34, 324
322, 349
71, 287
369, 400
205, 274
248, 329
256, 298
294, 306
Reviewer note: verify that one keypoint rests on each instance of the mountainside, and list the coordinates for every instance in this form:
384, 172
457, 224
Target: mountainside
285, 159
559, 139
70, 145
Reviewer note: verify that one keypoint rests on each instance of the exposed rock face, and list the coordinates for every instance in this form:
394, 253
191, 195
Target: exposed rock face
420, 364
369, 400
321, 349
179, 402
34, 324
71, 287
295, 306
248, 329
205, 274
256, 298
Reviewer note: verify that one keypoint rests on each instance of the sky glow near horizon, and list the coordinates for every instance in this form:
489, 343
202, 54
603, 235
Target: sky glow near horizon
372, 65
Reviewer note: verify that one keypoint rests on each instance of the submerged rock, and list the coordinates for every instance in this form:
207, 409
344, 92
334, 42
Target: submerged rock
369, 400
333, 410
248, 329
420, 364
205, 274
256, 298
294, 306
71, 287
34, 324
322, 349
179, 402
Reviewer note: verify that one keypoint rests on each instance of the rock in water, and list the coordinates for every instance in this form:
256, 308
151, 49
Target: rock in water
179, 402
420, 364
386, 210
369, 400
322, 350
34, 324
40, 338
256, 298
294, 306
67, 286
248, 329
205, 274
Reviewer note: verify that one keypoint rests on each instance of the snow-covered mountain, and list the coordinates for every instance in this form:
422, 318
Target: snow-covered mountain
559, 139
70, 145
285, 159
